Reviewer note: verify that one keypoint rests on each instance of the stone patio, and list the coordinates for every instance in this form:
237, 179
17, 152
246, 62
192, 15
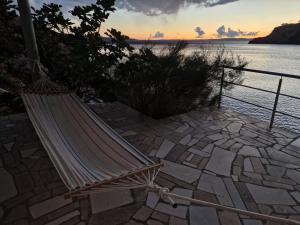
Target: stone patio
217, 156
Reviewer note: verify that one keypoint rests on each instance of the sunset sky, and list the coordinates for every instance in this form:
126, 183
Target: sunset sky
192, 19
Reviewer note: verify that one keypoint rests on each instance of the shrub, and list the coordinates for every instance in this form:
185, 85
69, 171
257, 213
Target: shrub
170, 82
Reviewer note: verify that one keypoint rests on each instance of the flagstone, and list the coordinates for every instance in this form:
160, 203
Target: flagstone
101, 202
234, 127
185, 140
180, 211
165, 148
252, 222
276, 171
296, 143
220, 161
215, 185
266, 195
199, 152
281, 156
181, 172
234, 194
49, 205
182, 128
294, 175
203, 216
215, 137
249, 151
64, 218
296, 195
152, 200
7, 185
183, 192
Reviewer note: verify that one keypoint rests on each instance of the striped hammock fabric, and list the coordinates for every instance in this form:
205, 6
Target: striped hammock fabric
86, 152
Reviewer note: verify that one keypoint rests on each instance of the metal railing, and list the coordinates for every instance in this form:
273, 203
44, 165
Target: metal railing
277, 93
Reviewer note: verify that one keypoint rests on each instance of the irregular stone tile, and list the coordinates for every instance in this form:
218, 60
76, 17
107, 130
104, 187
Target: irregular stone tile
246, 196
257, 165
265, 209
278, 185
203, 216
143, 213
248, 165
265, 195
294, 175
236, 147
199, 152
182, 128
153, 222
180, 211
249, 151
296, 195
215, 137
184, 173
7, 187
8, 146
193, 142
229, 218
159, 216
282, 157
108, 200
276, 171
64, 218
284, 209
234, 127
205, 196
177, 221
220, 161
164, 149
132, 222
215, 185
252, 222
296, 143
234, 194
253, 175
152, 200
189, 158
183, 192
49, 205
208, 148
185, 140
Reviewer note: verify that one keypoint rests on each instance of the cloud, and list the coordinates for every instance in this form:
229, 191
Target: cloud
158, 7
230, 33
158, 35
199, 32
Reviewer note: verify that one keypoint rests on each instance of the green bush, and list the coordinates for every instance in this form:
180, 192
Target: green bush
170, 82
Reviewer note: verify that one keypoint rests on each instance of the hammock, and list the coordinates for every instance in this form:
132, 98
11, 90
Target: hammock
87, 153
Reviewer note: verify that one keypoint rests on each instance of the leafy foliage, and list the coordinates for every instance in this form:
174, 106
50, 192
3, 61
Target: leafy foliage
171, 82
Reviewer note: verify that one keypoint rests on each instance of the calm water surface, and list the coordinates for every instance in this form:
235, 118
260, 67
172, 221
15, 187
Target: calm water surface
277, 58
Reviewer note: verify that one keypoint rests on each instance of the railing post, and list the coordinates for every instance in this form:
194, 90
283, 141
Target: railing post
275, 103
221, 88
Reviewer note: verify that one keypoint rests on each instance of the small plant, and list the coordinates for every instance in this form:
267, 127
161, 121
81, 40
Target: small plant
170, 82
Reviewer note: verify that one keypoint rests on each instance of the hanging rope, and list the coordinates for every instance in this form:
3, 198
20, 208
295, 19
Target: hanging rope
165, 194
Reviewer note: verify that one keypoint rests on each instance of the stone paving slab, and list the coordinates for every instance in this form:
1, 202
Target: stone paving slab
216, 155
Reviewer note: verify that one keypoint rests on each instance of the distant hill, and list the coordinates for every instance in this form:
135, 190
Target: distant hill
284, 34
191, 41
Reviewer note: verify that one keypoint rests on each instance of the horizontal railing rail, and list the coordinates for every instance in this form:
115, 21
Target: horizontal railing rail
277, 93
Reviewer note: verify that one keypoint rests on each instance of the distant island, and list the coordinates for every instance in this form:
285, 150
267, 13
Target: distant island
284, 34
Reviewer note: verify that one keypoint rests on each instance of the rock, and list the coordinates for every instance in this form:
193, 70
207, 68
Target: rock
270, 196
220, 162
215, 185
203, 216
164, 149
7, 187
249, 151
108, 200
184, 173
180, 211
